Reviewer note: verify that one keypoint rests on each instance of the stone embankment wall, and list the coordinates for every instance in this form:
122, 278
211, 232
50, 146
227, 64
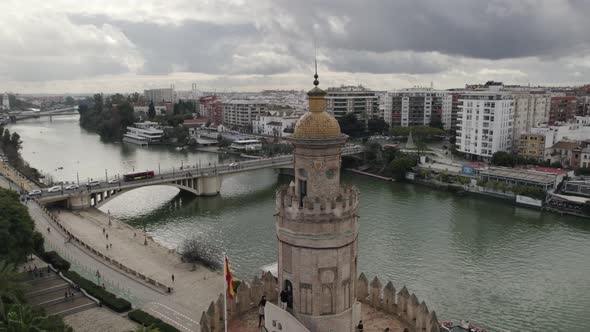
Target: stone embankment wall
401, 305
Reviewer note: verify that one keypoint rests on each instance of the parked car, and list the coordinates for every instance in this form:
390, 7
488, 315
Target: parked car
54, 189
71, 187
36, 192
93, 183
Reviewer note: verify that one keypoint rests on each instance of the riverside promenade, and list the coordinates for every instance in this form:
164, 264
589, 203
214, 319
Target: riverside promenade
193, 290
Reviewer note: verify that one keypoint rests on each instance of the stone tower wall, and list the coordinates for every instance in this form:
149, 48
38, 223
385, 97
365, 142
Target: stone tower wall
402, 305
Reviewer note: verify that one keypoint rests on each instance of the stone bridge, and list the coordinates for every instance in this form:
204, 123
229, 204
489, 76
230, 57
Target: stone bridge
204, 181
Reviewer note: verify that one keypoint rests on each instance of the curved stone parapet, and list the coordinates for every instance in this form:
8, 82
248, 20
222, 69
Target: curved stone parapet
303, 222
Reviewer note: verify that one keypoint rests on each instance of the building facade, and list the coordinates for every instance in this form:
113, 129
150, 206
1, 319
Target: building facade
275, 123
485, 123
530, 110
317, 226
5, 102
357, 100
240, 114
417, 107
532, 146
160, 95
211, 107
562, 109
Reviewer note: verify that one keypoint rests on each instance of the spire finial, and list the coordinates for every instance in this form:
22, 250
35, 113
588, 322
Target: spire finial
316, 82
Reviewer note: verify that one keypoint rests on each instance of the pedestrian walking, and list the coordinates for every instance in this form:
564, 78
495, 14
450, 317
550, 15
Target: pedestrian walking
111, 245
107, 247
134, 234
173, 278
261, 305
107, 236
48, 230
66, 296
103, 230
71, 296
103, 286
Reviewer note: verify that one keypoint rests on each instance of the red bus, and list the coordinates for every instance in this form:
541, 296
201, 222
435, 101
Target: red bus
138, 176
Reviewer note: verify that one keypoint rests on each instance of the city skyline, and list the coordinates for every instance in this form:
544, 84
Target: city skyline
106, 46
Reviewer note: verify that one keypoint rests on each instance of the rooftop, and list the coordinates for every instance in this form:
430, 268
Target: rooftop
520, 174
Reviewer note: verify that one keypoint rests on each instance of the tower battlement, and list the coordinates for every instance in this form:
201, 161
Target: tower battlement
297, 209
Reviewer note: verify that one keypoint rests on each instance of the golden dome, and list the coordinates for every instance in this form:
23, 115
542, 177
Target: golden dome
316, 125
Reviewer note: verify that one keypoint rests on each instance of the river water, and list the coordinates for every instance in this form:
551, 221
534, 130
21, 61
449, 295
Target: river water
508, 268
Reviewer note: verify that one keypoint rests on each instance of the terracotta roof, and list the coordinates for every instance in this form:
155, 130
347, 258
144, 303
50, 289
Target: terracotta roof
566, 145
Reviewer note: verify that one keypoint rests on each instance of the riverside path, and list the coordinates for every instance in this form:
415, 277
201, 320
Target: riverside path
181, 309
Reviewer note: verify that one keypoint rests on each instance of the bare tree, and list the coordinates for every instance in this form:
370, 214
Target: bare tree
197, 251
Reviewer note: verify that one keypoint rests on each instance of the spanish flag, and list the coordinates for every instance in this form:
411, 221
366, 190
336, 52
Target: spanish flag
229, 279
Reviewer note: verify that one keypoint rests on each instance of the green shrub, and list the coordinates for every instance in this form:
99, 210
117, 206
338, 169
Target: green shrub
109, 299
145, 319
55, 259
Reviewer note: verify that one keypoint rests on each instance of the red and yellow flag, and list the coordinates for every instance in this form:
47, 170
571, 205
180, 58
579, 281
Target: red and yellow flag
229, 279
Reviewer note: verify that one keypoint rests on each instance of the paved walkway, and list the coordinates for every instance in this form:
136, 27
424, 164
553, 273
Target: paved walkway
99, 319
193, 290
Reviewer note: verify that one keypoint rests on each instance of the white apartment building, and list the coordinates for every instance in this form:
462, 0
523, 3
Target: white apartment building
417, 107
242, 113
160, 95
274, 123
570, 132
5, 102
530, 110
362, 102
485, 123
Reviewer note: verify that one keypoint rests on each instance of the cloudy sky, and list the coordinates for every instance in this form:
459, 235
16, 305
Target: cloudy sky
60, 46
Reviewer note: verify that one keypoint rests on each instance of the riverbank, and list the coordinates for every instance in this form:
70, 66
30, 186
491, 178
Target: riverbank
193, 289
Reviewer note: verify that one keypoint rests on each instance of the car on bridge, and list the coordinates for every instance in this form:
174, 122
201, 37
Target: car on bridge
72, 187
93, 183
114, 181
54, 189
234, 164
35, 192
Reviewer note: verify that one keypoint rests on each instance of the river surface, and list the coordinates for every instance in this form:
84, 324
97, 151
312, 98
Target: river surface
505, 267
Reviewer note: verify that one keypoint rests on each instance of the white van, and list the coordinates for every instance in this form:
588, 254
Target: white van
93, 183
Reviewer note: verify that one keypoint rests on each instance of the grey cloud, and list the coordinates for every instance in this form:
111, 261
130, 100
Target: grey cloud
478, 29
391, 62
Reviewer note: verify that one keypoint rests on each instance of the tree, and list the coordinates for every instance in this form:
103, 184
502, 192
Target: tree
377, 126
197, 251
151, 110
503, 158
399, 166
556, 164
11, 286
70, 101
16, 228
350, 125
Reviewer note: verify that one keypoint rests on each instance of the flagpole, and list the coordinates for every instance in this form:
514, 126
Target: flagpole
225, 291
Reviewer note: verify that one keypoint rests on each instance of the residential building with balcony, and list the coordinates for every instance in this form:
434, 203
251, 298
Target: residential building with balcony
276, 123
358, 100
165, 95
211, 107
562, 109
417, 107
532, 146
531, 109
240, 114
485, 123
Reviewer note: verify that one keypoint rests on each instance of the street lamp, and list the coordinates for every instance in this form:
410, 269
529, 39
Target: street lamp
159, 171
78, 178
106, 176
181, 164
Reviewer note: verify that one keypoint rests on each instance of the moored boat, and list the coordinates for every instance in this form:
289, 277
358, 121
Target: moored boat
463, 326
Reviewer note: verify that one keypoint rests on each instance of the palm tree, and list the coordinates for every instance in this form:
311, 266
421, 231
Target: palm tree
150, 328
11, 286
22, 319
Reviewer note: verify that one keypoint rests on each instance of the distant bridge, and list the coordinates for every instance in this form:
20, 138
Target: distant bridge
204, 181
15, 116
